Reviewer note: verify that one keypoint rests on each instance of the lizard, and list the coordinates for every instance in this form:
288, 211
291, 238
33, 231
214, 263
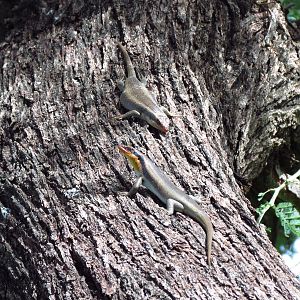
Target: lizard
140, 102
150, 176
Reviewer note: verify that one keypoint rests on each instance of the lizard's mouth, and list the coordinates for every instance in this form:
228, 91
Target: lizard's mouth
125, 150
163, 129
133, 159
162, 124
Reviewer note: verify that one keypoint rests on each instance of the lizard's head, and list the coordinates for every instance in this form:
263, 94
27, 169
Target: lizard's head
160, 122
132, 155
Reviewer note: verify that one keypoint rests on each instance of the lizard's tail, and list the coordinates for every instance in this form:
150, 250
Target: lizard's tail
205, 222
129, 65
209, 235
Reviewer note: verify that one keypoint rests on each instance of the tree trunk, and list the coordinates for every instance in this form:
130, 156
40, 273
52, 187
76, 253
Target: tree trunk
229, 68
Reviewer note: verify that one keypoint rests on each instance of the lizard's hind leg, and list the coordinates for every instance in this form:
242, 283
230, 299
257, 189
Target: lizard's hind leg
173, 205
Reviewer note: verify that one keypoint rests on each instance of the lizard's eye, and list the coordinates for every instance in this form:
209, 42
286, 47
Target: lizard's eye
129, 149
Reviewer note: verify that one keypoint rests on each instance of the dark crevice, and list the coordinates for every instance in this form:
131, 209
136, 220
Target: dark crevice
34, 16
90, 280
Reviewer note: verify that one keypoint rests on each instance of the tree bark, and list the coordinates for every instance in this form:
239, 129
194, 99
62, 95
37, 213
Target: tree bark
230, 68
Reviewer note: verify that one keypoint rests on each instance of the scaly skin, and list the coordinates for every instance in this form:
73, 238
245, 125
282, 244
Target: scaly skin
140, 101
159, 184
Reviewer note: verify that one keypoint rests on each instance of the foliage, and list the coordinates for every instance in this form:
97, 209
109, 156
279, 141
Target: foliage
286, 211
293, 7
289, 217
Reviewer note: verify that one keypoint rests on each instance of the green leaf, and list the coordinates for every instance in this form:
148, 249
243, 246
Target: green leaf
264, 206
289, 217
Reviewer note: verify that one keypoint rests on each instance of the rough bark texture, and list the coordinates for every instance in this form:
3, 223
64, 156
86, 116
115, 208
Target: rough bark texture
229, 67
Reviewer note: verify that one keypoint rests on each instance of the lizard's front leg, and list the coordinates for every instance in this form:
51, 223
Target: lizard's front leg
168, 113
130, 113
135, 187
